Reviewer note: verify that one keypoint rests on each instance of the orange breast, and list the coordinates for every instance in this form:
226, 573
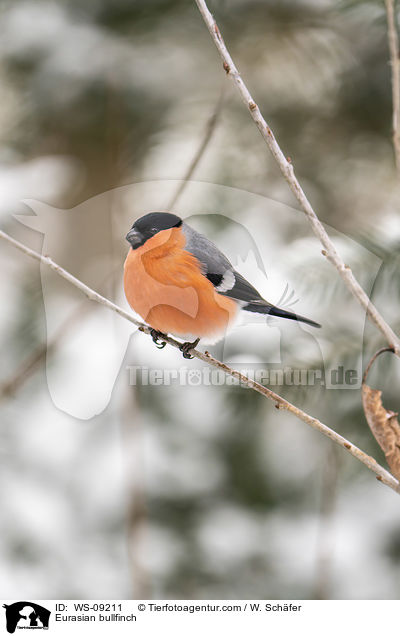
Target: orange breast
163, 283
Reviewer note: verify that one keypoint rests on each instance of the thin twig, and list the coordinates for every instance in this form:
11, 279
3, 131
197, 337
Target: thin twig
208, 133
28, 366
137, 513
287, 170
371, 362
393, 41
325, 544
382, 475
25, 370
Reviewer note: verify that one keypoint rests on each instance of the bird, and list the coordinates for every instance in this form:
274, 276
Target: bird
181, 284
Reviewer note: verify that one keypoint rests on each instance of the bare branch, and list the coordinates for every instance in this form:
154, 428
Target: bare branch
280, 403
287, 170
29, 365
393, 41
136, 501
208, 133
371, 362
24, 371
326, 530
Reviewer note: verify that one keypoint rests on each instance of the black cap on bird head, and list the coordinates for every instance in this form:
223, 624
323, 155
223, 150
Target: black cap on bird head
149, 225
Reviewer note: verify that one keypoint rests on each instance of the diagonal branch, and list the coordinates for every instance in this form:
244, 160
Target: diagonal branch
280, 403
29, 365
287, 170
207, 135
393, 41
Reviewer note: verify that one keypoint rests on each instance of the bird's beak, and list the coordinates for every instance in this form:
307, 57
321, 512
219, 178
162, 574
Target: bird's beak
134, 237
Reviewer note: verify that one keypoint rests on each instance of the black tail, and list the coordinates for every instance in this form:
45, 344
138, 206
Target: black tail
265, 308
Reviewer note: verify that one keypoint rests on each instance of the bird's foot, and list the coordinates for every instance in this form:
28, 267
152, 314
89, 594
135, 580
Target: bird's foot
187, 347
157, 338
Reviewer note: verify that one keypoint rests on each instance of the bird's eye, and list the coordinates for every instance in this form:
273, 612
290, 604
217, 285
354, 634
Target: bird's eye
154, 229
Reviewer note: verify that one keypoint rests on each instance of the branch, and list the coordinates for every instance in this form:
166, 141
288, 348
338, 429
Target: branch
28, 366
326, 534
371, 362
26, 369
280, 403
393, 41
208, 133
287, 170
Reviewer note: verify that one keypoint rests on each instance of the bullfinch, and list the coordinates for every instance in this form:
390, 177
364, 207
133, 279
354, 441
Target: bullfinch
180, 283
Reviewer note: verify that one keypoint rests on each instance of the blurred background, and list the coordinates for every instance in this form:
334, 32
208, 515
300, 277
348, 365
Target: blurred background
113, 488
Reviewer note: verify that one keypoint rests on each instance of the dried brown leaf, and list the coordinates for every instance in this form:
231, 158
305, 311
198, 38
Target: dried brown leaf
384, 426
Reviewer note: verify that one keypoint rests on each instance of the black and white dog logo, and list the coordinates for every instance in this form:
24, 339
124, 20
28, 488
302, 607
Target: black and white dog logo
26, 615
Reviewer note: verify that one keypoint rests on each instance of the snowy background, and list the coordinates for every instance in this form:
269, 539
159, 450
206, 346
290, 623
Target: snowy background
110, 490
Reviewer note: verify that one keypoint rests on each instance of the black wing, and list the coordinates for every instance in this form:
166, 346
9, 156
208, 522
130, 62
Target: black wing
218, 268
227, 281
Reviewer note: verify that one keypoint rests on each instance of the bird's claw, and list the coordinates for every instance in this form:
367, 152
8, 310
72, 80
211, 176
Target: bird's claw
187, 347
156, 335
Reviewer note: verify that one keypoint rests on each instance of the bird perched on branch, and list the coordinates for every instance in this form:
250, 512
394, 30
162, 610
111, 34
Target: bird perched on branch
180, 283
